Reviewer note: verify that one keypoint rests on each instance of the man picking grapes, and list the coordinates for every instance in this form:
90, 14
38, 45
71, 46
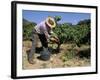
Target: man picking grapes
44, 31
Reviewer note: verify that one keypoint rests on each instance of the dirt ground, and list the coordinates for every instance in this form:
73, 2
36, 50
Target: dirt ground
55, 60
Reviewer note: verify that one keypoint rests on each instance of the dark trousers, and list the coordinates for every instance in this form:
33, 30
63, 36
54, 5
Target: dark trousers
43, 40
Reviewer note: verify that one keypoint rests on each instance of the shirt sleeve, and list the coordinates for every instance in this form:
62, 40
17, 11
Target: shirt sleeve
40, 28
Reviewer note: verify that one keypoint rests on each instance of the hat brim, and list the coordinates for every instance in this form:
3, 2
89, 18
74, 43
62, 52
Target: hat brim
47, 22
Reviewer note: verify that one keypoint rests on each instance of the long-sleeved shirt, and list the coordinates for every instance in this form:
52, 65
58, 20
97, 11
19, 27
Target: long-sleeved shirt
42, 29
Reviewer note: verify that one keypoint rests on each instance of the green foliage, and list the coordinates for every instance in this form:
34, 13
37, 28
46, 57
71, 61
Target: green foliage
57, 18
63, 32
78, 34
27, 30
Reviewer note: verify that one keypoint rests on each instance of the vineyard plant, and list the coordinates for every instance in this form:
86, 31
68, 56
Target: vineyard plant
77, 34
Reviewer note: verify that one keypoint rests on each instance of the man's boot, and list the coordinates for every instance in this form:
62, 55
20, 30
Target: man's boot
31, 58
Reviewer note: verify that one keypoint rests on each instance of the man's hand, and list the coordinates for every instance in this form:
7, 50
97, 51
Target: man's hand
54, 39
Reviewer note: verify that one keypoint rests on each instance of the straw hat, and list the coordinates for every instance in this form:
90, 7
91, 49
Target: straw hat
50, 22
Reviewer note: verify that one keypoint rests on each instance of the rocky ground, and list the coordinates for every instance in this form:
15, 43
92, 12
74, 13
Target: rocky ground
55, 60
